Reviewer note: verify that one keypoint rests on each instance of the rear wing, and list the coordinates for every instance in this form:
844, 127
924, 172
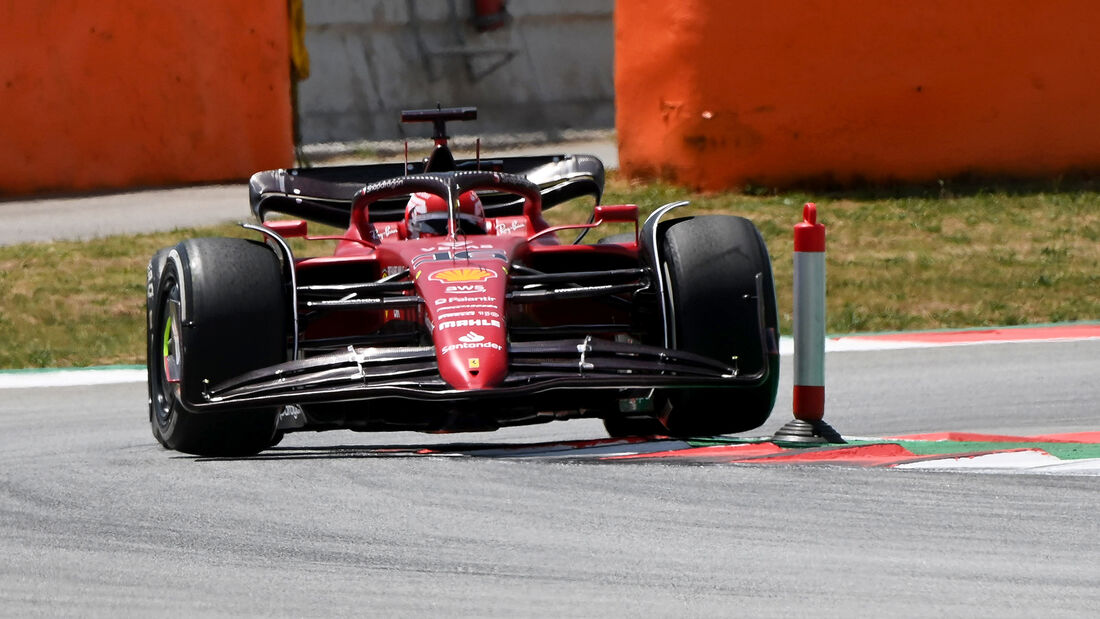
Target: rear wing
324, 195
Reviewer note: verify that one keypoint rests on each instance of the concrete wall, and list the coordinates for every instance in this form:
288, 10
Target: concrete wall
372, 58
123, 93
720, 93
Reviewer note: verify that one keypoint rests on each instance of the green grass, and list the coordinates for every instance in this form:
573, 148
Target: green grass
918, 258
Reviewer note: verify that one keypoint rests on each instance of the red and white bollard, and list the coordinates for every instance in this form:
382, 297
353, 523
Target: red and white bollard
809, 335
809, 316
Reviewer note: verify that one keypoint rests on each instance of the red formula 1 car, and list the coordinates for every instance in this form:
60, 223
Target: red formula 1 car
450, 305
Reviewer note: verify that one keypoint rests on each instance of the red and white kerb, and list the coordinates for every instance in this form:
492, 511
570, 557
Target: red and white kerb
809, 316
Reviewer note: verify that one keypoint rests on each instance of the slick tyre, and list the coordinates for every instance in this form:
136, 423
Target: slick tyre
626, 237
711, 264
217, 308
625, 427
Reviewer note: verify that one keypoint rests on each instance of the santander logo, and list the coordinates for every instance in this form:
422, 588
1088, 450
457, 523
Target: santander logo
471, 338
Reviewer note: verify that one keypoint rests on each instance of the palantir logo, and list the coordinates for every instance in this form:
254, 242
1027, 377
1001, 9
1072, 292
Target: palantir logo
471, 338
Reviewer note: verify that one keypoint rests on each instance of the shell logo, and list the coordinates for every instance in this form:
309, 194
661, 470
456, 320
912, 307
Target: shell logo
467, 274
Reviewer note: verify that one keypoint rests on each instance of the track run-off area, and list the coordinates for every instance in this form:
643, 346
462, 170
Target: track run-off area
967, 487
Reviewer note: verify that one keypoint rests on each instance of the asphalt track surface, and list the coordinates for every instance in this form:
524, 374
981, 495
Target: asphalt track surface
98, 520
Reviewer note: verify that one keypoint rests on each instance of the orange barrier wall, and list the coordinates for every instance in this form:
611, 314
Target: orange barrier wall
122, 93
717, 94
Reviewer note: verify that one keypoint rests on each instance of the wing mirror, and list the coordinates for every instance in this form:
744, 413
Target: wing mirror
287, 228
621, 213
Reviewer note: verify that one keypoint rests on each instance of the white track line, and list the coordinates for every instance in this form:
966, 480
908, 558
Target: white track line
870, 344
1030, 461
38, 379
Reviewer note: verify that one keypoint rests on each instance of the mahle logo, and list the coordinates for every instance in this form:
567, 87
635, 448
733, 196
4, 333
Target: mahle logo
471, 322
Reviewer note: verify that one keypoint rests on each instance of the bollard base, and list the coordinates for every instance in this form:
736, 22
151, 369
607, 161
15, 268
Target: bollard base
807, 433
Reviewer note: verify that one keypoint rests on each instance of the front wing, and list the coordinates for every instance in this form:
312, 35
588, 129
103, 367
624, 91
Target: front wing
535, 367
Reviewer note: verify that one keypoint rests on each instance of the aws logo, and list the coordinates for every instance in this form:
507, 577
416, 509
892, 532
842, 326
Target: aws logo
465, 289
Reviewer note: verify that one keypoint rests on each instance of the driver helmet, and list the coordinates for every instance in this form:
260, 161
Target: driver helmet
426, 214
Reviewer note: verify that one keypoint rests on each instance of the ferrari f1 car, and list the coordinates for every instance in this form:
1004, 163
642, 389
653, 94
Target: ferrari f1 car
451, 305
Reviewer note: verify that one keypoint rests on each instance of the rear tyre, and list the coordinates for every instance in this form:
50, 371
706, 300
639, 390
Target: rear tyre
217, 309
626, 237
625, 427
711, 264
